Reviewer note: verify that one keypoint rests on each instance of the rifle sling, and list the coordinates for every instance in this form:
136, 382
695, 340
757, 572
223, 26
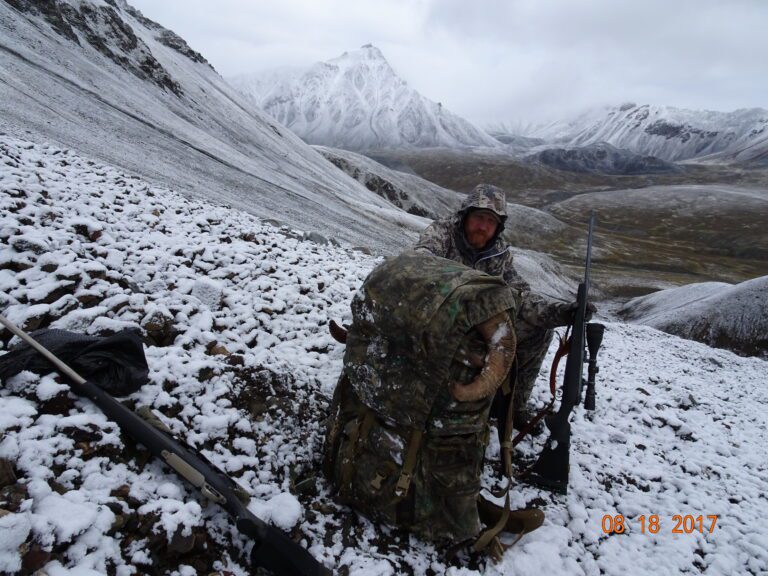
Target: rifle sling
562, 350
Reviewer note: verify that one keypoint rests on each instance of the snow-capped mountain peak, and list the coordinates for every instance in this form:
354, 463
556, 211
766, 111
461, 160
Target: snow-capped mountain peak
357, 101
366, 53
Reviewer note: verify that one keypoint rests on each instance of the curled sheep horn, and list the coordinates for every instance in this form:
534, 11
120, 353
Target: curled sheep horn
499, 335
337, 332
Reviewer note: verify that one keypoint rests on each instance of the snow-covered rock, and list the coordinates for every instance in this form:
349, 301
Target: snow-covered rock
666, 132
356, 101
209, 292
719, 314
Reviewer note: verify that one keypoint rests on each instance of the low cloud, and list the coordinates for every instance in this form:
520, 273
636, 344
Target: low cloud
502, 60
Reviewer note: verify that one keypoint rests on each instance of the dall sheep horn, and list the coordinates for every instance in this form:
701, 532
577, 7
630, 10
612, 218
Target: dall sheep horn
499, 335
337, 332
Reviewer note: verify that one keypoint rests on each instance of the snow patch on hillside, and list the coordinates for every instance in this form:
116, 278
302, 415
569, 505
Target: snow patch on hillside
716, 313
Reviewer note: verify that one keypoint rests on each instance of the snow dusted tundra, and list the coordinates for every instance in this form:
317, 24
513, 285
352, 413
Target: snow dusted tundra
234, 314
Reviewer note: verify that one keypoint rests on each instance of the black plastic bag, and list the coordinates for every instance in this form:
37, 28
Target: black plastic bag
116, 363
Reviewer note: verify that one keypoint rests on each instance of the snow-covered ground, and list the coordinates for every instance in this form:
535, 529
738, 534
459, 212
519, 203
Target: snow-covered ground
235, 314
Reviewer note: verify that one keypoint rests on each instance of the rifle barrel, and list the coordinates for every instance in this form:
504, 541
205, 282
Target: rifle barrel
58, 364
551, 468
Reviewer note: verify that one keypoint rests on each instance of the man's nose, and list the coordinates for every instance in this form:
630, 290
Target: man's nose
487, 224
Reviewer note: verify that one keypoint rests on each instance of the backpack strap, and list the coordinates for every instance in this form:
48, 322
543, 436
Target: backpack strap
489, 535
356, 429
406, 474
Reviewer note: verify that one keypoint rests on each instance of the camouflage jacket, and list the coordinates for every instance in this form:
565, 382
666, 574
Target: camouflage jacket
444, 238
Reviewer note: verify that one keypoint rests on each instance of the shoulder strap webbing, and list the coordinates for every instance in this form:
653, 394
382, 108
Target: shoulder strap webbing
414, 445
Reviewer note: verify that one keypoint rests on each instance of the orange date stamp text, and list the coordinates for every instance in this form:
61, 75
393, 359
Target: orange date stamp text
651, 524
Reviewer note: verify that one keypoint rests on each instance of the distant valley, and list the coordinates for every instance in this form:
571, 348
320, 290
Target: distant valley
633, 164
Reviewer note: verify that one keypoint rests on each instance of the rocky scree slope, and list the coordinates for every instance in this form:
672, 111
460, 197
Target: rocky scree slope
233, 312
104, 80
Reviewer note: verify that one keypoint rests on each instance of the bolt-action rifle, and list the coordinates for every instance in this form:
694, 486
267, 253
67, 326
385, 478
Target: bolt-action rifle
272, 550
551, 469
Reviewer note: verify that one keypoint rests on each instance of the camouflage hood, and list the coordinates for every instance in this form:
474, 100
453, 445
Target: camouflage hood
482, 197
486, 197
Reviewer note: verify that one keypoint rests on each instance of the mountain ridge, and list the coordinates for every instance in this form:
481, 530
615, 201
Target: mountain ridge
669, 133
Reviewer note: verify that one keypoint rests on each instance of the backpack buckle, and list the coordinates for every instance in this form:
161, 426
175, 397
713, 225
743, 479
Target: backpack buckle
403, 483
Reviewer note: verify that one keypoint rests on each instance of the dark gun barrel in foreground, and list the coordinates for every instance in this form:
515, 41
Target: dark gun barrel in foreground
272, 550
551, 469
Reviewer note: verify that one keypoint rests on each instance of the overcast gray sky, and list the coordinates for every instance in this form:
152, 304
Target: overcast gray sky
503, 60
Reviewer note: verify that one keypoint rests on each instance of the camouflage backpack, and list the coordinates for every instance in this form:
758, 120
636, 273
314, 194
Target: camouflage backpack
399, 447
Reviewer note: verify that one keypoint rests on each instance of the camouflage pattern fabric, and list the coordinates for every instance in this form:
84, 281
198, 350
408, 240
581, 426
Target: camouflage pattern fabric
536, 316
486, 197
414, 308
411, 315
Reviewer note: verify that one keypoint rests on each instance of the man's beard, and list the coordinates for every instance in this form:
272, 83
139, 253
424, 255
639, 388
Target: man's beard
478, 240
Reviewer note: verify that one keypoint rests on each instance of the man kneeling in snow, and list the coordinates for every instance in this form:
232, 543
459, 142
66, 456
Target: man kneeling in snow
431, 340
472, 237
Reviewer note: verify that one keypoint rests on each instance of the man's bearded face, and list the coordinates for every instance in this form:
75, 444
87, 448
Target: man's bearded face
480, 227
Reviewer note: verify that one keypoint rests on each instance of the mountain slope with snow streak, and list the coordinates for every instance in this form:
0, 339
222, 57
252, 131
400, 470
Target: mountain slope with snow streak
669, 133
102, 79
724, 315
356, 101
406, 191
234, 314
600, 158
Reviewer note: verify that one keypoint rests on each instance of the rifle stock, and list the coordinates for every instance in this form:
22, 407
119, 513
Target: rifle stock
273, 549
551, 469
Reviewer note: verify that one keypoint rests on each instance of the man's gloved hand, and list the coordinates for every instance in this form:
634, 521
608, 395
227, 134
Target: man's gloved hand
568, 312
